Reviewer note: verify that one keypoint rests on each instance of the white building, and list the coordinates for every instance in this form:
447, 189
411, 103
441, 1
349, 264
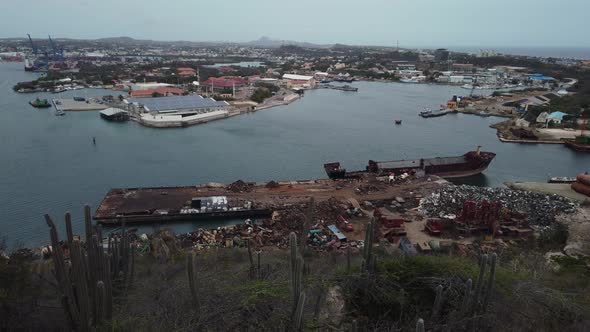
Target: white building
298, 81
148, 86
178, 111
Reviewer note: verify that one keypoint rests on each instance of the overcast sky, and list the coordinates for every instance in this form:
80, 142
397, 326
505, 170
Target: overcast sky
415, 23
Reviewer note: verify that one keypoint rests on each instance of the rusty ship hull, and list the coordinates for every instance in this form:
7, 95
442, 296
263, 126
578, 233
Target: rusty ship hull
165, 205
471, 163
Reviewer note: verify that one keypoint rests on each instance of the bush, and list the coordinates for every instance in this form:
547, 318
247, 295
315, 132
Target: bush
260, 94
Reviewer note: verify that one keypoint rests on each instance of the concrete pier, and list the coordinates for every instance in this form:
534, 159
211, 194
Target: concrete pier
75, 105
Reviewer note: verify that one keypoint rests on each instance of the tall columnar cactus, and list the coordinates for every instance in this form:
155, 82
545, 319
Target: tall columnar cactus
482, 269
87, 222
69, 231
491, 279
465, 306
258, 268
437, 301
101, 302
420, 325
62, 276
296, 275
348, 259
298, 316
86, 283
191, 279
307, 225
293, 250
368, 257
131, 267
250, 253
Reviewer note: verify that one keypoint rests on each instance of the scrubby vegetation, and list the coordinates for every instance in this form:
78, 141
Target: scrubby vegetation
376, 289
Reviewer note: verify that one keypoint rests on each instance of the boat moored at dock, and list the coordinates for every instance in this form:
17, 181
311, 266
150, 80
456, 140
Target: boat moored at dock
40, 103
471, 163
561, 179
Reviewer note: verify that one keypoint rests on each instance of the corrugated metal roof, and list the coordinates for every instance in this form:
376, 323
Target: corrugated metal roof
178, 103
112, 111
297, 77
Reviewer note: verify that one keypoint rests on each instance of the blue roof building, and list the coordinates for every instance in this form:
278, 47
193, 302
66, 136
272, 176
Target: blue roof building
179, 104
541, 77
556, 116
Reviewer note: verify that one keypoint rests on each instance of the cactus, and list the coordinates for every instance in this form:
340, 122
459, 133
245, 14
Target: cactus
250, 253
69, 231
296, 274
482, 268
80, 280
87, 223
293, 248
348, 259
298, 316
465, 306
258, 270
437, 301
307, 225
191, 279
101, 302
86, 283
420, 325
132, 267
368, 258
491, 279
63, 277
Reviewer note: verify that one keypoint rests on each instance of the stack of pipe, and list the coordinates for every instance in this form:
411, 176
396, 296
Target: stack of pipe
582, 184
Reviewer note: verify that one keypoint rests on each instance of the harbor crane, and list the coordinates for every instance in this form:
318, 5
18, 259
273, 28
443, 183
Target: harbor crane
58, 54
35, 50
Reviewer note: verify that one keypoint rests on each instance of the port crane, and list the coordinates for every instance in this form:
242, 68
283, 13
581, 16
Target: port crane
58, 54
35, 49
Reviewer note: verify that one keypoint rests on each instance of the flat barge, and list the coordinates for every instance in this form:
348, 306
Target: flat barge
471, 163
171, 204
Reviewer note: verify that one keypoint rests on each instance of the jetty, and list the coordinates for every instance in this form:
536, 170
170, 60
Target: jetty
77, 104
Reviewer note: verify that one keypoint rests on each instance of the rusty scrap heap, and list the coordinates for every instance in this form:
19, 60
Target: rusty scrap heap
274, 231
541, 209
240, 186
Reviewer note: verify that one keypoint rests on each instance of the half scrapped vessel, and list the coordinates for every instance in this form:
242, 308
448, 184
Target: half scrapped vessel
471, 163
172, 204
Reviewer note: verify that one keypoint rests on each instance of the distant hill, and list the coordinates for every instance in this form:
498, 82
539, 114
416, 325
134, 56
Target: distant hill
125, 40
273, 43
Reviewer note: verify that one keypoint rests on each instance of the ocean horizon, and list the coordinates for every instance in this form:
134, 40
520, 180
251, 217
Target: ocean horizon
580, 53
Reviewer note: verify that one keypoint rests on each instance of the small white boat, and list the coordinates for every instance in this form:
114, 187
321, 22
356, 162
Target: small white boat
60, 113
561, 179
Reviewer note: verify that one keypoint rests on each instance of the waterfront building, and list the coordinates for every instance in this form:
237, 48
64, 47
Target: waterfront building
555, 117
178, 111
161, 92
224, 83
148, 85
294, 81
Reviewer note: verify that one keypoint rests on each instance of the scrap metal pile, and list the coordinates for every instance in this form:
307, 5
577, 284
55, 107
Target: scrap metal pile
240, 186
275, 231
541, 209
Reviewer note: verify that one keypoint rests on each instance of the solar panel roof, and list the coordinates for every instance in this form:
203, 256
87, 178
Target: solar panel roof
177, 103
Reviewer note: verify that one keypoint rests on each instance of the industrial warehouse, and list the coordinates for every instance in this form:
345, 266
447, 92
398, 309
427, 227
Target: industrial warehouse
177, 111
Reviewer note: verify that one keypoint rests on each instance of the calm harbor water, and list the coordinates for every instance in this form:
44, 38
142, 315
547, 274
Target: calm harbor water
51, 166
